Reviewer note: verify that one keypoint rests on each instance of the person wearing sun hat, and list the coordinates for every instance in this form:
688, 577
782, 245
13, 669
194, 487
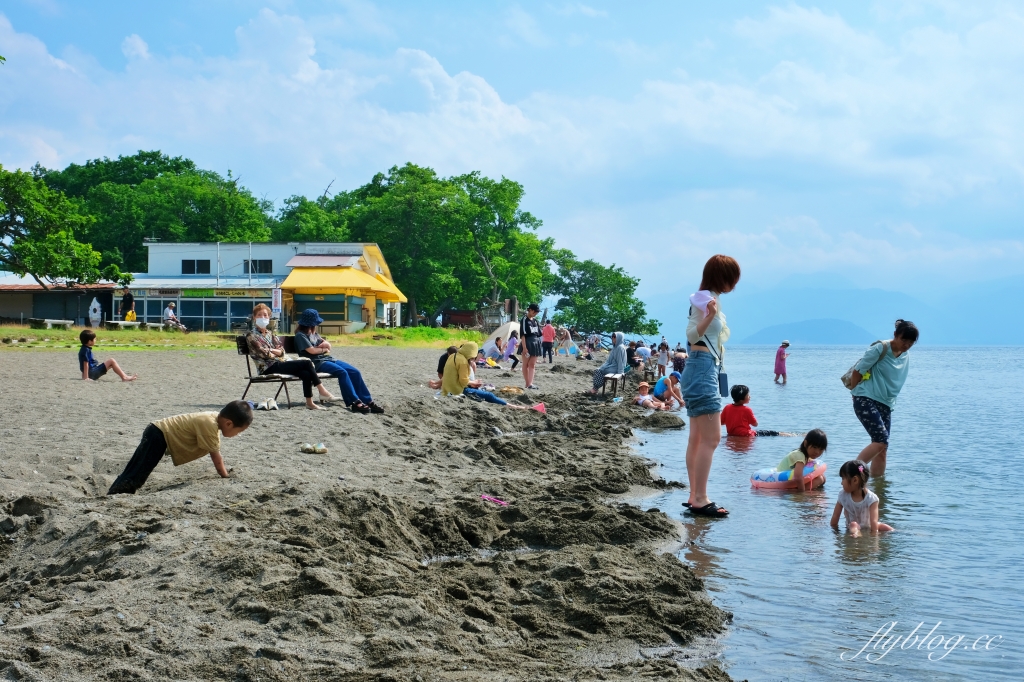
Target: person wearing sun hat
780, 362
311, 345
667, 390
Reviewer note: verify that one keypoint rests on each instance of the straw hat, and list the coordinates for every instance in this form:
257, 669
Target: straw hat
785, 343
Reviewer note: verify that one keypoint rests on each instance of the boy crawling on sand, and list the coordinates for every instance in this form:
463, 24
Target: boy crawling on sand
92, 370
187, 437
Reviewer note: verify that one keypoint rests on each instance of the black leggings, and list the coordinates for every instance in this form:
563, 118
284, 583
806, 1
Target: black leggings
151, 449
303, 369
515, 361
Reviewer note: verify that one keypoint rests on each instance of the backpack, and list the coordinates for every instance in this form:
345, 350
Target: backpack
847, 378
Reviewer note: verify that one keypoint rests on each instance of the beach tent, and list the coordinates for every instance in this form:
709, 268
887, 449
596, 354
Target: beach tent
504, 331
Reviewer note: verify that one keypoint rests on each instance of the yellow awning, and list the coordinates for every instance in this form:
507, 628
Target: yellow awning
391, 289
348, 281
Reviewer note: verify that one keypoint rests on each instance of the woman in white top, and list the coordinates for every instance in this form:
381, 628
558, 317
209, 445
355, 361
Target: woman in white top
706, 333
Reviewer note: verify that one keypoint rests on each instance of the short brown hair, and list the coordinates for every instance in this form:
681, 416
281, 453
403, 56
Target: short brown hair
86, 336
721, 274
259, 307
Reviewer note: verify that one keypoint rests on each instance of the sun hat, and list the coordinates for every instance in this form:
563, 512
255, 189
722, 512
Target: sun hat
644, 384
785, 343
310, 318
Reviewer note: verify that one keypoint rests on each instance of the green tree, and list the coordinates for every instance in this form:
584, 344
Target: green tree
597, 298
302, 220
38, 229
76, 180
413, 215
151, 194
510, 259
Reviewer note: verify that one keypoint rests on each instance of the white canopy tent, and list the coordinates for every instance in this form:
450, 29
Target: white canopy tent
504, 331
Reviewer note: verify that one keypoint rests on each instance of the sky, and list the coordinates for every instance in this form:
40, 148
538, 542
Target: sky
880, 142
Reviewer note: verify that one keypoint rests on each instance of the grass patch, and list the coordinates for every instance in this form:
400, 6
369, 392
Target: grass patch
50, 339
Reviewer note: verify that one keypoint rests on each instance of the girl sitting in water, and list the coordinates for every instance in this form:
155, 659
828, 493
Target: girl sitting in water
856, 502
645, 399
813, 447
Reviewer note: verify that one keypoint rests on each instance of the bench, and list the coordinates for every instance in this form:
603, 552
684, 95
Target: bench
242, 345
114, 325
37, 323
614, 379
649, 375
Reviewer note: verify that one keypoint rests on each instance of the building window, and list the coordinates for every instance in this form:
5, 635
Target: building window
259, 267
195, 267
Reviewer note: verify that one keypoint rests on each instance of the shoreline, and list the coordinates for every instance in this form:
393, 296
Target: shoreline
376, 561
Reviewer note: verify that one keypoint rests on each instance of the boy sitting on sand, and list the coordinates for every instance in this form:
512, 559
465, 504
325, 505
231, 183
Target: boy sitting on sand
92, 370
187, 437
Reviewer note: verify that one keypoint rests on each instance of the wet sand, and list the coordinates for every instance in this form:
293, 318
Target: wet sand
376, 561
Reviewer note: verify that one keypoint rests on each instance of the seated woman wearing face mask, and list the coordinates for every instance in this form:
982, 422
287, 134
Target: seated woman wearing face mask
267, 350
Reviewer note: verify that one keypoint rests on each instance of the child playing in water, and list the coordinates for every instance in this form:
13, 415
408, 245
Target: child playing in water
662, 359
856, 502
738, 418
813, 447
645, 399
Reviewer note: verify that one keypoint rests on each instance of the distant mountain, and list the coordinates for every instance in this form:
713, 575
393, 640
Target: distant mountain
813, 333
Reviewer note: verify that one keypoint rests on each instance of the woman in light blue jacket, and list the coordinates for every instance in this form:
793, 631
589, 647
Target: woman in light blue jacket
878, 378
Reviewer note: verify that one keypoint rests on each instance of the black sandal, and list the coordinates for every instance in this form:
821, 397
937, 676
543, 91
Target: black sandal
711, 510
361, 408
375, 408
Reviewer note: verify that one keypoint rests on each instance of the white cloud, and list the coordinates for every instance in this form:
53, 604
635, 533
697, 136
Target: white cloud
933, 114
134, 47
579, 8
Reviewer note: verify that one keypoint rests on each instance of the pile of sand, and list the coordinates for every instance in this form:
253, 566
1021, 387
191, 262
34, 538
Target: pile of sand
377, 561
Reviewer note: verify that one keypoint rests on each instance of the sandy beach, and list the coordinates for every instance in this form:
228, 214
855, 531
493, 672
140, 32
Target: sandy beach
376, 561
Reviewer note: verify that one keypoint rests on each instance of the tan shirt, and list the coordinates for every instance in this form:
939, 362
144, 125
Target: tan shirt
190, 436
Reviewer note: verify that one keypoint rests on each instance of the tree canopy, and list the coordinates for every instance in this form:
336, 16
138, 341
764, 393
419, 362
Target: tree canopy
456, 242
596, 298
38, 229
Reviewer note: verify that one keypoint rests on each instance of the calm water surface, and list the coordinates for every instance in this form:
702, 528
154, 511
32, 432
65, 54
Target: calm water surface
804, 597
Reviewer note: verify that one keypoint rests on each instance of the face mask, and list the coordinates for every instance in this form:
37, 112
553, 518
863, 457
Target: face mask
262, 322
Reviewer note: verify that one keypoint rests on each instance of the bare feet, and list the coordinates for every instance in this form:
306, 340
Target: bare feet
130, 377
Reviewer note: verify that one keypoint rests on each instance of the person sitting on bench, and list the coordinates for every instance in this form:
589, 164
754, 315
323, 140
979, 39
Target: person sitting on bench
615, 364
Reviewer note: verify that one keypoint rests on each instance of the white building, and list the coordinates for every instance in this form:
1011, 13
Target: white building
215, 285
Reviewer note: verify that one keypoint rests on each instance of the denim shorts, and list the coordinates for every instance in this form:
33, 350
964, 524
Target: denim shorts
700, 385
875, 416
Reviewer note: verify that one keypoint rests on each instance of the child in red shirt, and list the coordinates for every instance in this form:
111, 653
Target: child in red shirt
738, 418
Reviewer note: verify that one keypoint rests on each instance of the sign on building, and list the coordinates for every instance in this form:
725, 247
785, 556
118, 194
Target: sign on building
276, 303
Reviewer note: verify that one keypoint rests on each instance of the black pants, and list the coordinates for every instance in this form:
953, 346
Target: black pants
548, 352
151, 449
515, 361
303, 369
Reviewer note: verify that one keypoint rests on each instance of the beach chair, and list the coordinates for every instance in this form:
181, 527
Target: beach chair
289, 347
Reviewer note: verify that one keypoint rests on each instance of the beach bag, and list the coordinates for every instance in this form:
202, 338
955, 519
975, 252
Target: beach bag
847, 378
129, 316
723, 376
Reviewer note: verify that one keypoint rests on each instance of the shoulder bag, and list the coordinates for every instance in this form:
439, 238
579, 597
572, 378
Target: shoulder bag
847, 378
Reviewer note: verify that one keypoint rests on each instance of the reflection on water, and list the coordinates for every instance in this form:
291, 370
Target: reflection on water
802, 593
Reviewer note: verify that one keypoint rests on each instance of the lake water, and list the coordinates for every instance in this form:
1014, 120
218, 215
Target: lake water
805, 597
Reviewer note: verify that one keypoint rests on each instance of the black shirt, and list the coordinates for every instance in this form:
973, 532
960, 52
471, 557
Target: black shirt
127, 301
442, 362
528, 327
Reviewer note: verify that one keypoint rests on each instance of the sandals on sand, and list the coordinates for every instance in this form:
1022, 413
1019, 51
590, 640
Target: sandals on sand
361, 408
375, 408
710, 509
